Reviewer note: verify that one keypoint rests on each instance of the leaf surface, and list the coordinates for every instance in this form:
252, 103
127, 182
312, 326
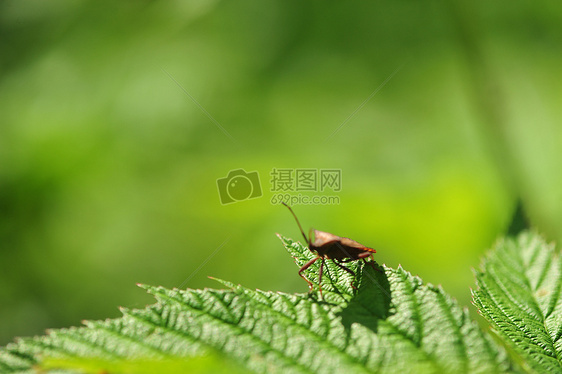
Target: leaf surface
518, 292
390, 323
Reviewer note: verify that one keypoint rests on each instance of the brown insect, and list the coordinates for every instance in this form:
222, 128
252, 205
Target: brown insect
329, 246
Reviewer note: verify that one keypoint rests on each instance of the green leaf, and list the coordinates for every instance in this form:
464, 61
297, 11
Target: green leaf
415, 327
518, 292
390, 323
179, 365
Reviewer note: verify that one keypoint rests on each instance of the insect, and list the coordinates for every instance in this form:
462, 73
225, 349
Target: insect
329, 246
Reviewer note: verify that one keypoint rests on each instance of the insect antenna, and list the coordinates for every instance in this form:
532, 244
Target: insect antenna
298, 223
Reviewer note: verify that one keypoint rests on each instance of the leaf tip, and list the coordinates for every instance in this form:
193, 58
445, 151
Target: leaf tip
143, 286
224, 283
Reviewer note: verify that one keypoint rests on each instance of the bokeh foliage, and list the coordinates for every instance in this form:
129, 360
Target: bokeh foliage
108, 169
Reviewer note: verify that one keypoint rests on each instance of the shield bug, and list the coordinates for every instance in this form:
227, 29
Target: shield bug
329, 246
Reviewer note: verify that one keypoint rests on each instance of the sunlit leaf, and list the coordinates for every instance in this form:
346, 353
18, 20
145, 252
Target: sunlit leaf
391, 322
518, 292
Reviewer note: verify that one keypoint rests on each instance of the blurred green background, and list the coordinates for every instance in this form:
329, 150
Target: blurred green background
108, 168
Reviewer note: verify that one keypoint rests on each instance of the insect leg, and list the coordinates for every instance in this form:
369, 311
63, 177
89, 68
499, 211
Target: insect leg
372, 263
320, 276
348, 270
306, 266
364, 257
